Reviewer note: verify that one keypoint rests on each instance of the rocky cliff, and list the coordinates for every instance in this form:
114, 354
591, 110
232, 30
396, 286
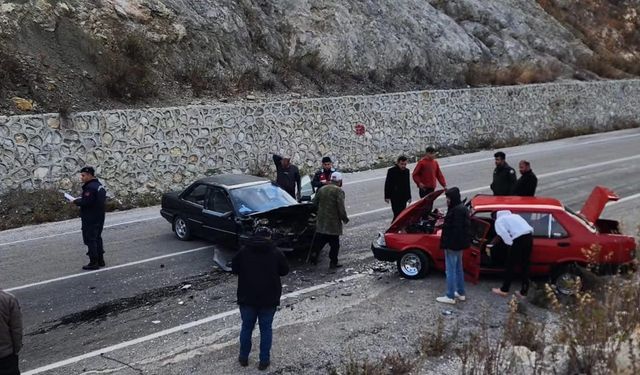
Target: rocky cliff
66, 56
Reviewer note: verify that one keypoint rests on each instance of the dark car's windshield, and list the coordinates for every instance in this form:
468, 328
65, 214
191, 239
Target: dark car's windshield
260, 198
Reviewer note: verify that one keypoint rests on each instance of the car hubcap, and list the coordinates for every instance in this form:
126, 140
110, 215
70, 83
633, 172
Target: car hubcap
181, 228
411, 264
567, 283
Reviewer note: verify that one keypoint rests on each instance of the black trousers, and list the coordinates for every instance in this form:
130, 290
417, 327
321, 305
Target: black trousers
519, 254
321, 240
425, 191
9, 365
92, 237
397, 206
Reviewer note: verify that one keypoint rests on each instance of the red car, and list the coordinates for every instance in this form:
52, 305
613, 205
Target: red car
561, 237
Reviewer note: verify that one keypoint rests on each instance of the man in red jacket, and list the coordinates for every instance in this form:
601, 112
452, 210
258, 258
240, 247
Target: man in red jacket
427, 173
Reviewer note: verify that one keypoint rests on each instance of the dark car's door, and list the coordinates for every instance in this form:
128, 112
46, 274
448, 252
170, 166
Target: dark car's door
219, 217
192, 204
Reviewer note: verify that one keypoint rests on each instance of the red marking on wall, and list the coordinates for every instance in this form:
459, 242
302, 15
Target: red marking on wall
360, 129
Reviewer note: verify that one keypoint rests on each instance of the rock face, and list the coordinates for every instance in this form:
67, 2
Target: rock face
73, 55
160, 149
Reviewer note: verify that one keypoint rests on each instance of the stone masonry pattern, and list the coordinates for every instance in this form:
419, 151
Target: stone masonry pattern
156, 150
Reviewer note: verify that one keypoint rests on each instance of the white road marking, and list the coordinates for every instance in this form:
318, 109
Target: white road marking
107, 268
466, 162
78, 231
613, 138
624, 199
180, 328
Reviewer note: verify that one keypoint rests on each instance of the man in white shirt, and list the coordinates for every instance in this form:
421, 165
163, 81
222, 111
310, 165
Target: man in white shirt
516, 233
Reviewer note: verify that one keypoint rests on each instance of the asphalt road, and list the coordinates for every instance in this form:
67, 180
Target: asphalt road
141, 309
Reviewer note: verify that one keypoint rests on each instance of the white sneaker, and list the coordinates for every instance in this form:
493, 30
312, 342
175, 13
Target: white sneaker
445, 299
459, 297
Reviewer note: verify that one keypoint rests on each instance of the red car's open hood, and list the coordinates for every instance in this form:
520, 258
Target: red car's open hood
596, 202
412, 213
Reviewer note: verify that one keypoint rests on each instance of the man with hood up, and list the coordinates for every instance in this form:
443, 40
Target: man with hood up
454, 239
516, 233
259, 266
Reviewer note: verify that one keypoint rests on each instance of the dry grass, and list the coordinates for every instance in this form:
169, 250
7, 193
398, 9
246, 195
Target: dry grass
609, 28
20, 207
479, 74
125, 71
430, 344
393, 364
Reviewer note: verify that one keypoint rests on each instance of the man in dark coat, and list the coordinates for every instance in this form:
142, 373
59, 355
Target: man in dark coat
397, 186
259, 266
527, 183
504, 177
323, 176
454, 239
288, 176
92, 212
10, 334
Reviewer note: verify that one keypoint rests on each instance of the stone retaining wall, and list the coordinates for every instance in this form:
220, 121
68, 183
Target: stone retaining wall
136, 151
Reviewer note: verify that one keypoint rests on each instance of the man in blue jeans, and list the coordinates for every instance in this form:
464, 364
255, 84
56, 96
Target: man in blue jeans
454, 239
259, 266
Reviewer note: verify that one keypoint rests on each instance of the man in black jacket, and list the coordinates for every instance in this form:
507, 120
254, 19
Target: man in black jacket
10, 334
259, 266
504, 177
323, 176
454, 239
92, 212
397, 186
527, 183
288, 176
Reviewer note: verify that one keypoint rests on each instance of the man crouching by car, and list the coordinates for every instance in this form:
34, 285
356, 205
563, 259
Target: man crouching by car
259, 266
454, 239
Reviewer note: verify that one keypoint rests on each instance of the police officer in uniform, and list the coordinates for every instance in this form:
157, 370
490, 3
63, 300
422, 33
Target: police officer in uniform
504, 177
92, 212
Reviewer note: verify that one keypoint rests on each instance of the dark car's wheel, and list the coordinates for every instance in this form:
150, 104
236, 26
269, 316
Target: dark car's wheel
181, 229
413, 264
567, 279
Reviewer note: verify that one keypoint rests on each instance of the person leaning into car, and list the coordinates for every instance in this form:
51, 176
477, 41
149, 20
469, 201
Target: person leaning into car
397, 186
10, 333
259, 266
454, 239
331, 214
516, 233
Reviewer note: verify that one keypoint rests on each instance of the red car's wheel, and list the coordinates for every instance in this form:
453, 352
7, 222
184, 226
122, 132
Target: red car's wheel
567, 279
414, 264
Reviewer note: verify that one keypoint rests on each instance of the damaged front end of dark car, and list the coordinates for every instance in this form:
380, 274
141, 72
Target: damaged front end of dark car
292, 227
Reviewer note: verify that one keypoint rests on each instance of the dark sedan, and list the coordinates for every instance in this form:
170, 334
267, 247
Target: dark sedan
224, 208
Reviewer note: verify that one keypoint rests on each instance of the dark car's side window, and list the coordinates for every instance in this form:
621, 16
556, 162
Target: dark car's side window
218, 201
196, 194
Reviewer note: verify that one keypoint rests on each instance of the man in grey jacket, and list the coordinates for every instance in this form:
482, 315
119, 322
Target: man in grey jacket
10, 334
